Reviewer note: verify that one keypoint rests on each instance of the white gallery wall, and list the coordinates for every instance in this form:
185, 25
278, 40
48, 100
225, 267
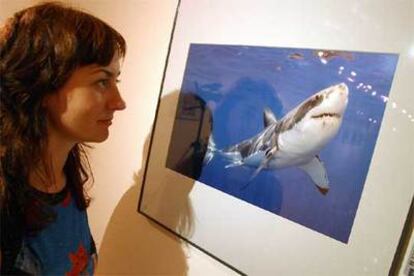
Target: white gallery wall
128, 243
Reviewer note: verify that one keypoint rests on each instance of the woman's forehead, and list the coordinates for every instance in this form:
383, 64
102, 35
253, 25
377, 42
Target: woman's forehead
112, 69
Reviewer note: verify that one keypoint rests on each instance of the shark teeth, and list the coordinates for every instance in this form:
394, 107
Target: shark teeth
335, 115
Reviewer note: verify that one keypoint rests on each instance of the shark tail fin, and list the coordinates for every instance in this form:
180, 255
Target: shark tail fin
211, 150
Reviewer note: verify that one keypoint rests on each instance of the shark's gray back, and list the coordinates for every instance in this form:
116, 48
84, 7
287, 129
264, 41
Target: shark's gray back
261, 142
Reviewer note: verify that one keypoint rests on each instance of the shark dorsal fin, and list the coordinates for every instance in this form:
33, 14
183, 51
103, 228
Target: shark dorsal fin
268, 117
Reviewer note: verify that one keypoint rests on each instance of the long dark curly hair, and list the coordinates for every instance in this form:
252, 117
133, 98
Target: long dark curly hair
40, 47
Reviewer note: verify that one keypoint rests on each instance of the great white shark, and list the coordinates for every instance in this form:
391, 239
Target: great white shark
294, 140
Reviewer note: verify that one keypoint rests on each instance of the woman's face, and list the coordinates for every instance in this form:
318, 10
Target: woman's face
83, 109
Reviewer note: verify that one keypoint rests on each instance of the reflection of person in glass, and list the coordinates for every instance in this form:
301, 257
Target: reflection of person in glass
59, 70
192, 129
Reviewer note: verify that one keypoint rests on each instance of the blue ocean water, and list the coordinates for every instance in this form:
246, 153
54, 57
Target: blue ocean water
237, 82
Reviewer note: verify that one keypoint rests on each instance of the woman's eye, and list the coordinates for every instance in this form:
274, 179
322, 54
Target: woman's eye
103, 83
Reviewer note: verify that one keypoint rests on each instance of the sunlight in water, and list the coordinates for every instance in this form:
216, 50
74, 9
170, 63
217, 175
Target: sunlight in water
367, 88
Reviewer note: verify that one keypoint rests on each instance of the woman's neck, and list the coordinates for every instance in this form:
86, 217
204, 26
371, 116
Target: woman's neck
49, 175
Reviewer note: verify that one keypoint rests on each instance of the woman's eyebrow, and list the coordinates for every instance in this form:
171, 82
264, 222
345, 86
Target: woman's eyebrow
107, 72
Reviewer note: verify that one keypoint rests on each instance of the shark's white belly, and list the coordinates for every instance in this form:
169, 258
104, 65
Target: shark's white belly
299, 145
286, 159
295, 147
280, 160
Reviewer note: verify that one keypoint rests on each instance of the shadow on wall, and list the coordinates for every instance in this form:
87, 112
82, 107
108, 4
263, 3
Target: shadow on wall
133, 244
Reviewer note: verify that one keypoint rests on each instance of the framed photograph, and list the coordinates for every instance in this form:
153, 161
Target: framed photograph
282, 151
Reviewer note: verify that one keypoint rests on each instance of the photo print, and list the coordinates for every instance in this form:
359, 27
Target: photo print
291, 131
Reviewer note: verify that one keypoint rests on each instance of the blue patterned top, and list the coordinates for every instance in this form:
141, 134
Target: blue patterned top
65, 246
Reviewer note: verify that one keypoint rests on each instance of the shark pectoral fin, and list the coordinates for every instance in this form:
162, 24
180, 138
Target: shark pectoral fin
268, 117
267, 156
316, 170
257, 171
253, 160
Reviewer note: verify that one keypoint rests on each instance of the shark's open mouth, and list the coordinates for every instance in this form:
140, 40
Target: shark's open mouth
335, 115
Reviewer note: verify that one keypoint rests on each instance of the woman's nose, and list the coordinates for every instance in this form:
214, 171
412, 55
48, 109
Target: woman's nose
116, 102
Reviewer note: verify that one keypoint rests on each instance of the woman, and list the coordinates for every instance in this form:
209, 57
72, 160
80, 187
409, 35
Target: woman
59, 68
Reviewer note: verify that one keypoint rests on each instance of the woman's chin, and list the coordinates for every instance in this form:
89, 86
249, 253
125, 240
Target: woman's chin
99, 138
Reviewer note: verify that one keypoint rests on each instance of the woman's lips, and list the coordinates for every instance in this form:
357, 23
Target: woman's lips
106, 122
